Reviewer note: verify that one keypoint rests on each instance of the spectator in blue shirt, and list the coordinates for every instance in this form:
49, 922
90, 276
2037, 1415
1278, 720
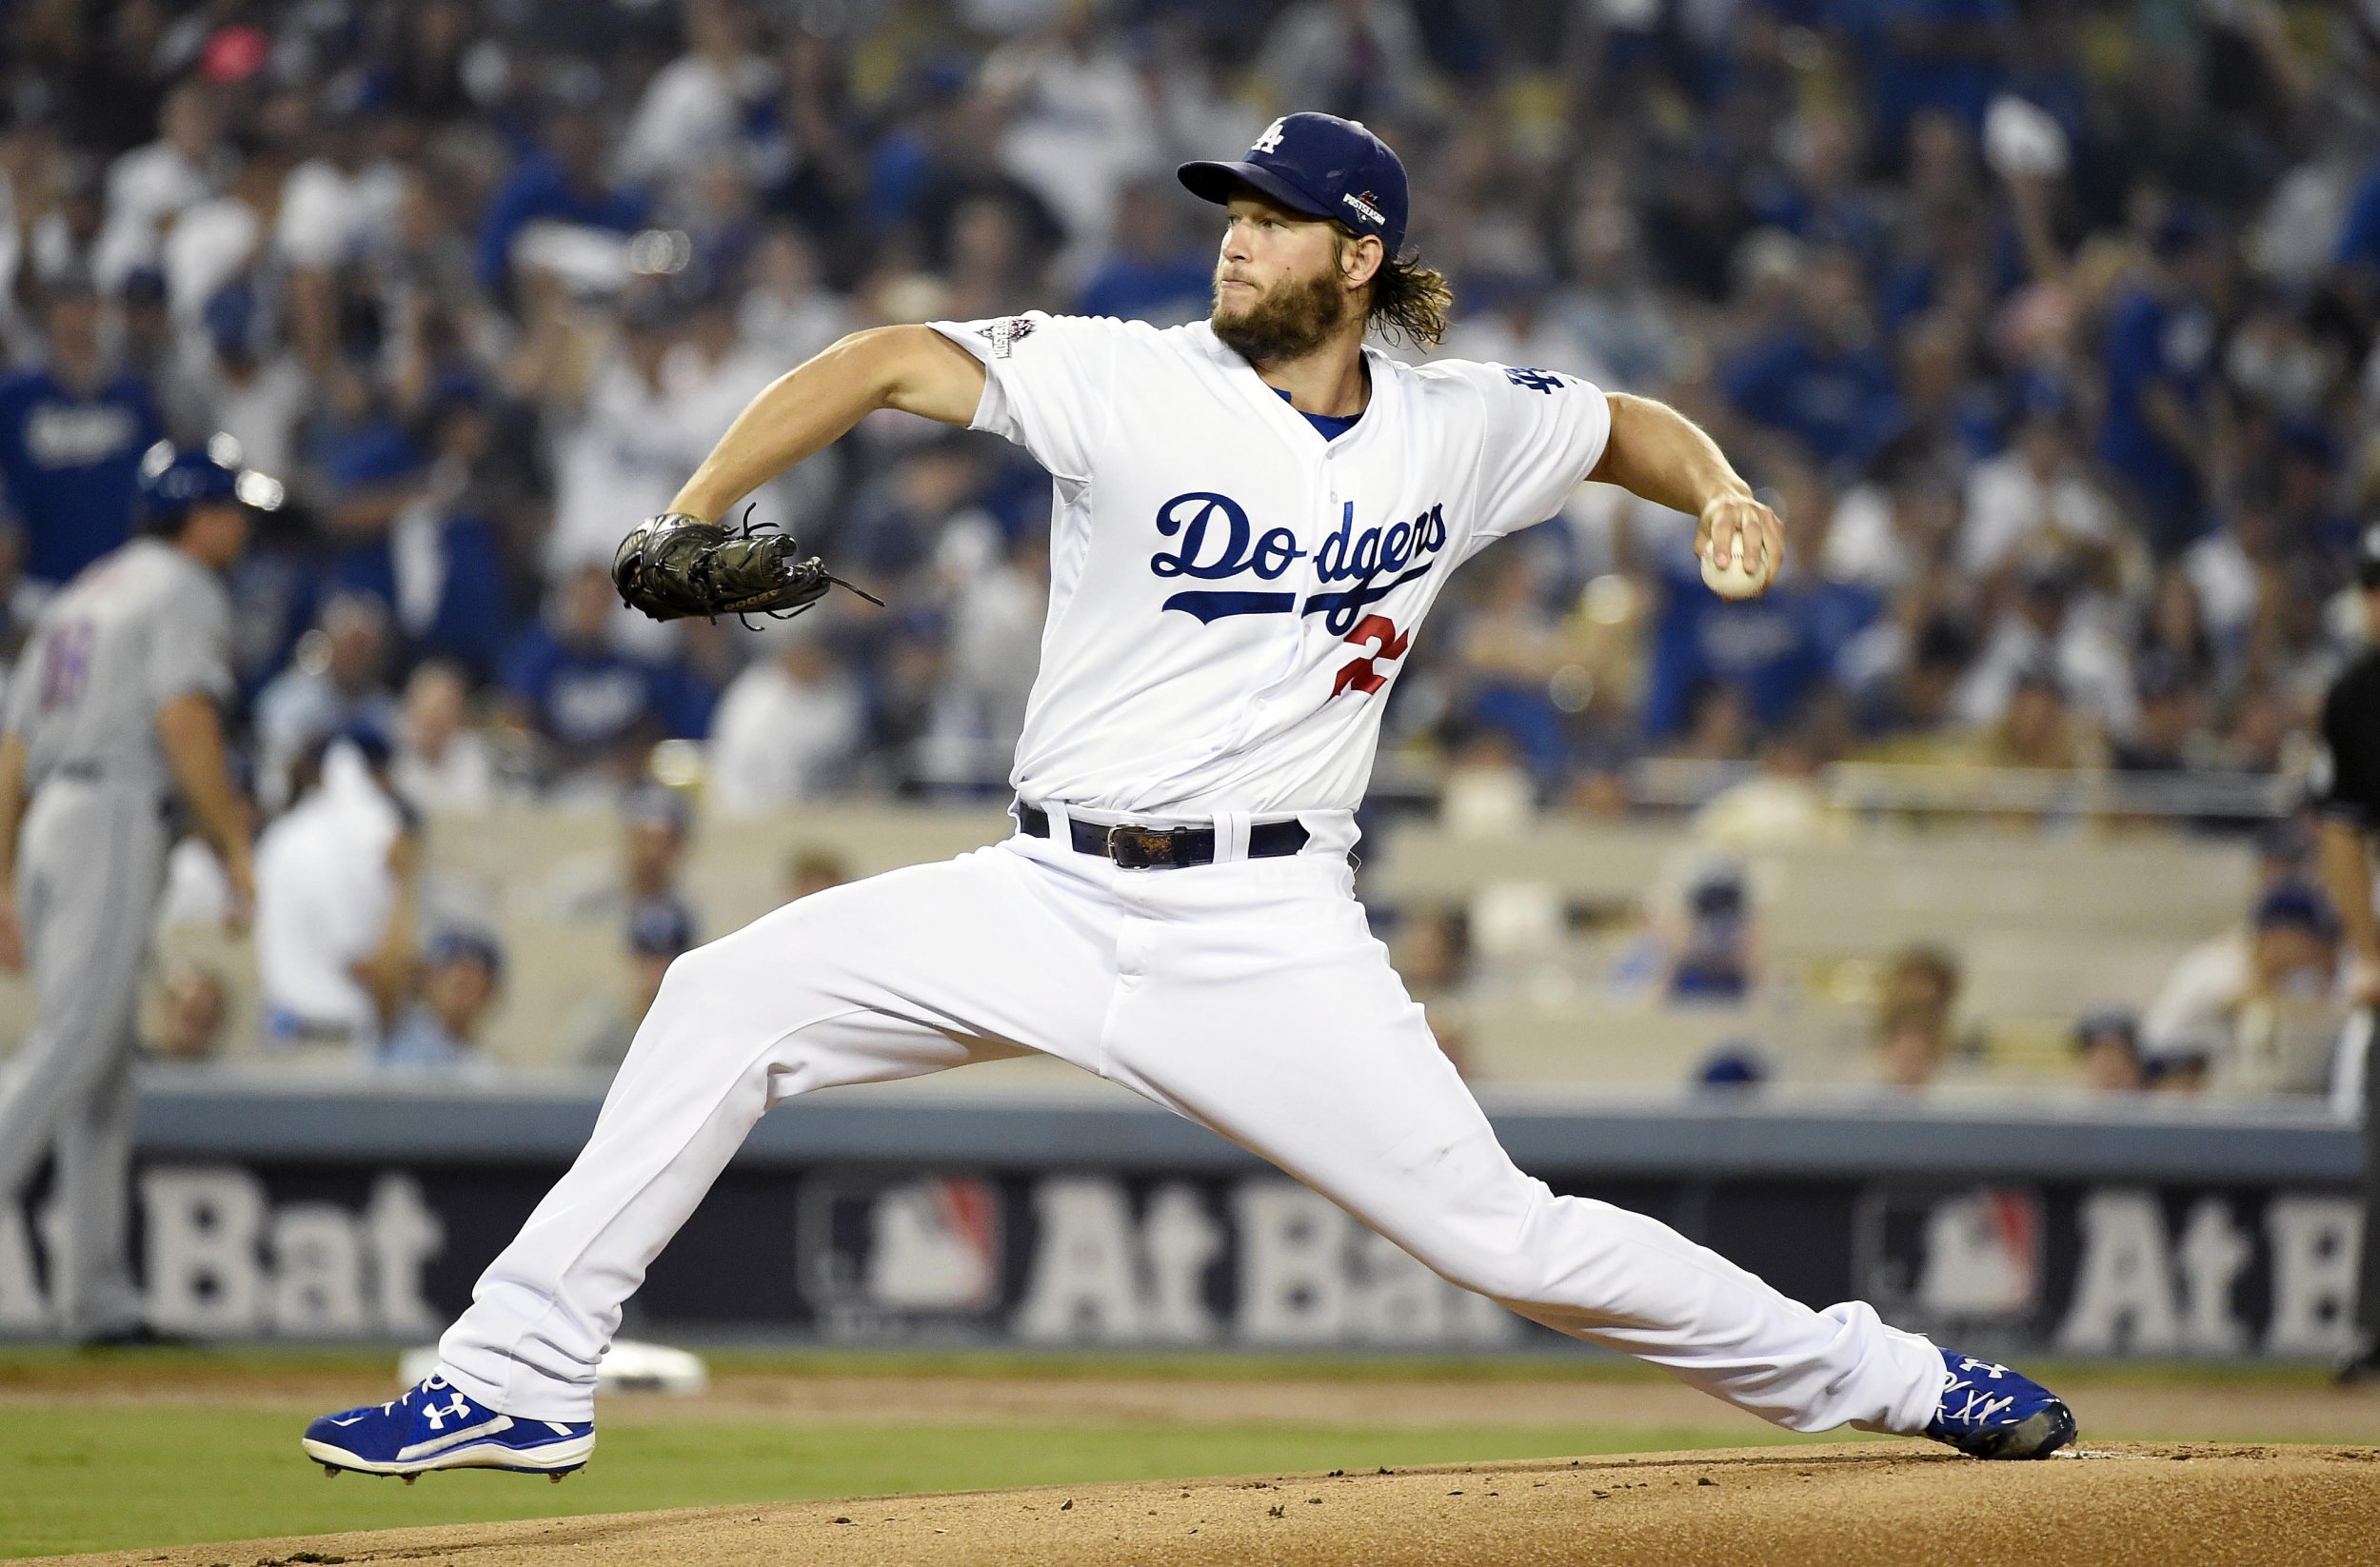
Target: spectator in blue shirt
1822, 379
1151, 276
596, 708
561, 181
337, 681
2359, 237
1933, 54
70, 442
1774, 650
2158, 360
438, 561
1815, 197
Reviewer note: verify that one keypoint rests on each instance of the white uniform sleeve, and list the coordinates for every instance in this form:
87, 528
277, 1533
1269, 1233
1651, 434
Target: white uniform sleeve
1049, 382
1545, 433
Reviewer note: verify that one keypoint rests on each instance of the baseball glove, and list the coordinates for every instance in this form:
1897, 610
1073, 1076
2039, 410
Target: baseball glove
674, 565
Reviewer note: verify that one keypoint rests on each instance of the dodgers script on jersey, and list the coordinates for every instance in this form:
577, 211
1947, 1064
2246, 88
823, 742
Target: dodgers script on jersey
1231, 594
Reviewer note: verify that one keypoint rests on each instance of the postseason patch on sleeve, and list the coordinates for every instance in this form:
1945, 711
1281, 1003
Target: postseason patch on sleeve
1005, 334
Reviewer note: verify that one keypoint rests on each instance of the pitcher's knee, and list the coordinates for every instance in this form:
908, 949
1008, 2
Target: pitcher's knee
1495, 1260
728, 997
1516, 1248
766, 958
1500, 1275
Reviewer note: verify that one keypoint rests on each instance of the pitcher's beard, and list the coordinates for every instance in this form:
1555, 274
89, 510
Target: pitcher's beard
1291, 322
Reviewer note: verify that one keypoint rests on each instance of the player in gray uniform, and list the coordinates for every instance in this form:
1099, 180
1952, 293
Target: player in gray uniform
113, 709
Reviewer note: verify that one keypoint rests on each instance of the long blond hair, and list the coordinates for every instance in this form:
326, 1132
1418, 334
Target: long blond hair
1410, 301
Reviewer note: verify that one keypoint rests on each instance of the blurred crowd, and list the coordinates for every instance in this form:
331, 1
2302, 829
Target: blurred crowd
1692, 980
2047, 326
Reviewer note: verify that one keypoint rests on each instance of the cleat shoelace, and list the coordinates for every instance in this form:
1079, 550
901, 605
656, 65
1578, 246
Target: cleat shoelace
402, 1399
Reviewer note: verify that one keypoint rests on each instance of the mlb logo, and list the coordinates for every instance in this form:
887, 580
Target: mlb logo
1954, 1260
925, 1247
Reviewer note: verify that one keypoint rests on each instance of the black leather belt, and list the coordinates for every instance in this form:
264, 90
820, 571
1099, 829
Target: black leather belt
91, 772
1160, 848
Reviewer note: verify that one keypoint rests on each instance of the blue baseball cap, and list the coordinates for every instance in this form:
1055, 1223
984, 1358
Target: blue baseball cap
1318, 164
2298, 904
660, 926
174, 479
459, 943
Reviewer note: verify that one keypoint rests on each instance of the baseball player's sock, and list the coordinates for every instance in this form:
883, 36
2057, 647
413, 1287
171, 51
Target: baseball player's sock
432, 1425
1991, 1412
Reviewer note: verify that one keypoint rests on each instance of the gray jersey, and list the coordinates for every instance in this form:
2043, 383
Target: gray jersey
139, 627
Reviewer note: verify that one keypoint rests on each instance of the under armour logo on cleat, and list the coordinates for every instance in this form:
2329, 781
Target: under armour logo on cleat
437, 1417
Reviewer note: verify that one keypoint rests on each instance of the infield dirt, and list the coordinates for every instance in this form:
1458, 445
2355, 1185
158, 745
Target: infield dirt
1861, 1505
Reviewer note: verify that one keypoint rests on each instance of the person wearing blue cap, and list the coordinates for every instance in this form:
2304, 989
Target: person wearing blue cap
461, 970
661, 930
2259, 1004
113, 712
1251, 517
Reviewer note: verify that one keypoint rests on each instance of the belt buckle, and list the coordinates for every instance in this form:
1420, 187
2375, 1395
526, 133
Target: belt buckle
1144, 848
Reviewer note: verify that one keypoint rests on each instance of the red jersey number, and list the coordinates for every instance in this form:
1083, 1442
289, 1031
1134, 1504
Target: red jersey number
1389, 642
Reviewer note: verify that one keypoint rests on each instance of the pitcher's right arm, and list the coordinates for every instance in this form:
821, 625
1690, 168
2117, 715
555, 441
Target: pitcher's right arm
913, 368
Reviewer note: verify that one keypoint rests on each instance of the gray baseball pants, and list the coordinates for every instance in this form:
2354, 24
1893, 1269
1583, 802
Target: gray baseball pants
90, 866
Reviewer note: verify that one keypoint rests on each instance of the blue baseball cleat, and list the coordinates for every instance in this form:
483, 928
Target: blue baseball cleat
1991, 1412
432, 1425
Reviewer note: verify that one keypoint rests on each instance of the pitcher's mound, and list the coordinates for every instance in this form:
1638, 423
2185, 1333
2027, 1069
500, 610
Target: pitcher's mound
1835, 1506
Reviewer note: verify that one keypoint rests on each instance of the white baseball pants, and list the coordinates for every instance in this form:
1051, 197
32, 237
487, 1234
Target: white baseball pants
1248, 996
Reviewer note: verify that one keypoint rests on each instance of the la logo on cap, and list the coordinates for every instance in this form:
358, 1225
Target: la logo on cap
1270, 141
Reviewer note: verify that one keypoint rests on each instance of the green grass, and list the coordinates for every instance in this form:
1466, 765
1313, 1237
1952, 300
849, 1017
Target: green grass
85, 1478
85, 1466
35, 1368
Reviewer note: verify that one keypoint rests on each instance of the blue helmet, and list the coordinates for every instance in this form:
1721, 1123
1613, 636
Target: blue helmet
174, 479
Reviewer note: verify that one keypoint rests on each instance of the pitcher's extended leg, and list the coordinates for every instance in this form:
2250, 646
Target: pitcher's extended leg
900, 975
1306, 1049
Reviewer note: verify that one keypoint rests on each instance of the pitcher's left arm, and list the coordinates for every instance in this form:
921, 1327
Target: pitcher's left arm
1658, 453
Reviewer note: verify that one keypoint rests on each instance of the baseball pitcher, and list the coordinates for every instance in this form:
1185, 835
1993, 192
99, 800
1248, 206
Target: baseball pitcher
1253, 516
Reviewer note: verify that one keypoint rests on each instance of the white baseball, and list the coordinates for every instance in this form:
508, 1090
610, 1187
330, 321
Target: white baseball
1735, 578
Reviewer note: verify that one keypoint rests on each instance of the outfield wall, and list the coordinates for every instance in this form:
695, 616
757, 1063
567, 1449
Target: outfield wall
925, 1214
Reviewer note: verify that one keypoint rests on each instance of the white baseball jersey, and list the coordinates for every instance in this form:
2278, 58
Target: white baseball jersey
1232, 594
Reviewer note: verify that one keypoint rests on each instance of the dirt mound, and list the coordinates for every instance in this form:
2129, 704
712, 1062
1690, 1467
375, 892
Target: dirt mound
1839, 1506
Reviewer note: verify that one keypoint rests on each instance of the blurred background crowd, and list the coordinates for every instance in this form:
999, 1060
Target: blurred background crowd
2049, 326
